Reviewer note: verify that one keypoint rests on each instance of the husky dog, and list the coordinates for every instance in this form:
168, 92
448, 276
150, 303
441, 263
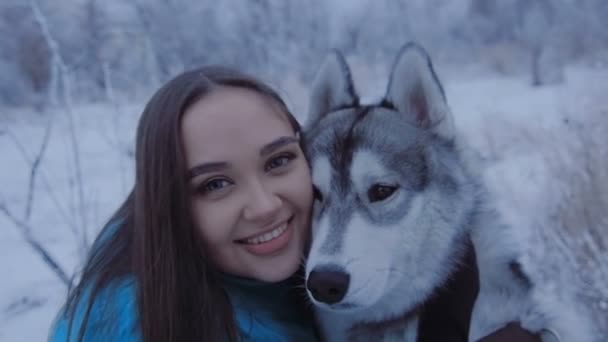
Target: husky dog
404, 242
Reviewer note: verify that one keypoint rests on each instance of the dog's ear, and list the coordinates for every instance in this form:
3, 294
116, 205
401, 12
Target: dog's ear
415, 90
332, 88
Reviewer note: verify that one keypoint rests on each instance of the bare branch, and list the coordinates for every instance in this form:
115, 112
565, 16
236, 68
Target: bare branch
21, 224
67, 99
44, 28
25, 230
34, 169
45, 182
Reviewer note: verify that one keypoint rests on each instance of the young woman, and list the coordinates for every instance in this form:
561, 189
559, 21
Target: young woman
208, 244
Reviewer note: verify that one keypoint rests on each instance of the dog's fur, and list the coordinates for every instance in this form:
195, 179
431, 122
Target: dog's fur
400, 252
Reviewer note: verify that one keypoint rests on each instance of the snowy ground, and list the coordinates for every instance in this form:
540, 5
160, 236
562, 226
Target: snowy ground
509, 123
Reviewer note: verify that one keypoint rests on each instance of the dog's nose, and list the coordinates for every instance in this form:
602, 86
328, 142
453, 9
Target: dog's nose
328, 284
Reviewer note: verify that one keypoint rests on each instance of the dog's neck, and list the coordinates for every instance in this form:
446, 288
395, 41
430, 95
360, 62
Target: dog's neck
448, 312
398, 323
443, 315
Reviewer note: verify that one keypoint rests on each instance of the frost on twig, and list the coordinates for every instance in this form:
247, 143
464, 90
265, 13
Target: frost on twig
22, 224
66, 86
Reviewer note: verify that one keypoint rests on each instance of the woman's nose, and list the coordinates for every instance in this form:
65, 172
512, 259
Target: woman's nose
262, 204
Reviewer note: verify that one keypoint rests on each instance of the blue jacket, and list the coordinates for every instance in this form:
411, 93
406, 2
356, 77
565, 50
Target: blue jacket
264, 312
113, 316
269, 312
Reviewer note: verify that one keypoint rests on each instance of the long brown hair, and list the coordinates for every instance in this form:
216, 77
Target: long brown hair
152, 235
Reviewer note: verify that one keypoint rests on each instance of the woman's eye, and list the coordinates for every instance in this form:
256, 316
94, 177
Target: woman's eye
279, 161
213, 185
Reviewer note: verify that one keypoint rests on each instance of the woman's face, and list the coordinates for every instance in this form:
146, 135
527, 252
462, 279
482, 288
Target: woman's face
251, 185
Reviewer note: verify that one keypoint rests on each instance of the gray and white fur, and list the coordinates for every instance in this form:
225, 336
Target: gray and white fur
397, 204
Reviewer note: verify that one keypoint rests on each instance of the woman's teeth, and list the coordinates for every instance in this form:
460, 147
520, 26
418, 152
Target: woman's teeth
267, 236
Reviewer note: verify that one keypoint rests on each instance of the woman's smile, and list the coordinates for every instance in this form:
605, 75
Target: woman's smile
270, 241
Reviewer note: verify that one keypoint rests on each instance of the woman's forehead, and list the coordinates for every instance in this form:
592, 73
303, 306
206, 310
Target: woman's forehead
230, 123
237, 103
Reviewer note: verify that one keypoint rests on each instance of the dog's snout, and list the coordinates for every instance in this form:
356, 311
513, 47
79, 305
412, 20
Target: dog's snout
328, 284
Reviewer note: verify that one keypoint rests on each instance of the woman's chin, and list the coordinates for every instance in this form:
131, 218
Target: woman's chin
278, 273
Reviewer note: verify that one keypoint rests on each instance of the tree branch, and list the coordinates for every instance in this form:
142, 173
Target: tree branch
60, 209
34, 169
67, 98
47, 258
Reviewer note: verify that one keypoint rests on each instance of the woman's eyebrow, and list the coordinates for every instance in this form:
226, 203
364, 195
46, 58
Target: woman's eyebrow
221, 166
276, 144
207, 168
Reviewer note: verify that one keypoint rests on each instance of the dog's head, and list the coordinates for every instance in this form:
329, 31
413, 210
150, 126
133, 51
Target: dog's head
391, 193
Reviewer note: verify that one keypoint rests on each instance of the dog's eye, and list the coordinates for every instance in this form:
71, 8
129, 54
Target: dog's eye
317, 194
380, 192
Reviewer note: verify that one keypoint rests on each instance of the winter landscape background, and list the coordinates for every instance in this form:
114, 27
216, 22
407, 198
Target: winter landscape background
526, 80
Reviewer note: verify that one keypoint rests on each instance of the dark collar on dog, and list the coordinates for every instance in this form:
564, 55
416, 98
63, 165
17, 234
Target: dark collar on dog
447, 315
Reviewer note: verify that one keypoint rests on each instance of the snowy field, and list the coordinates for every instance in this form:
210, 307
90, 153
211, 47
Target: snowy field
535, 145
